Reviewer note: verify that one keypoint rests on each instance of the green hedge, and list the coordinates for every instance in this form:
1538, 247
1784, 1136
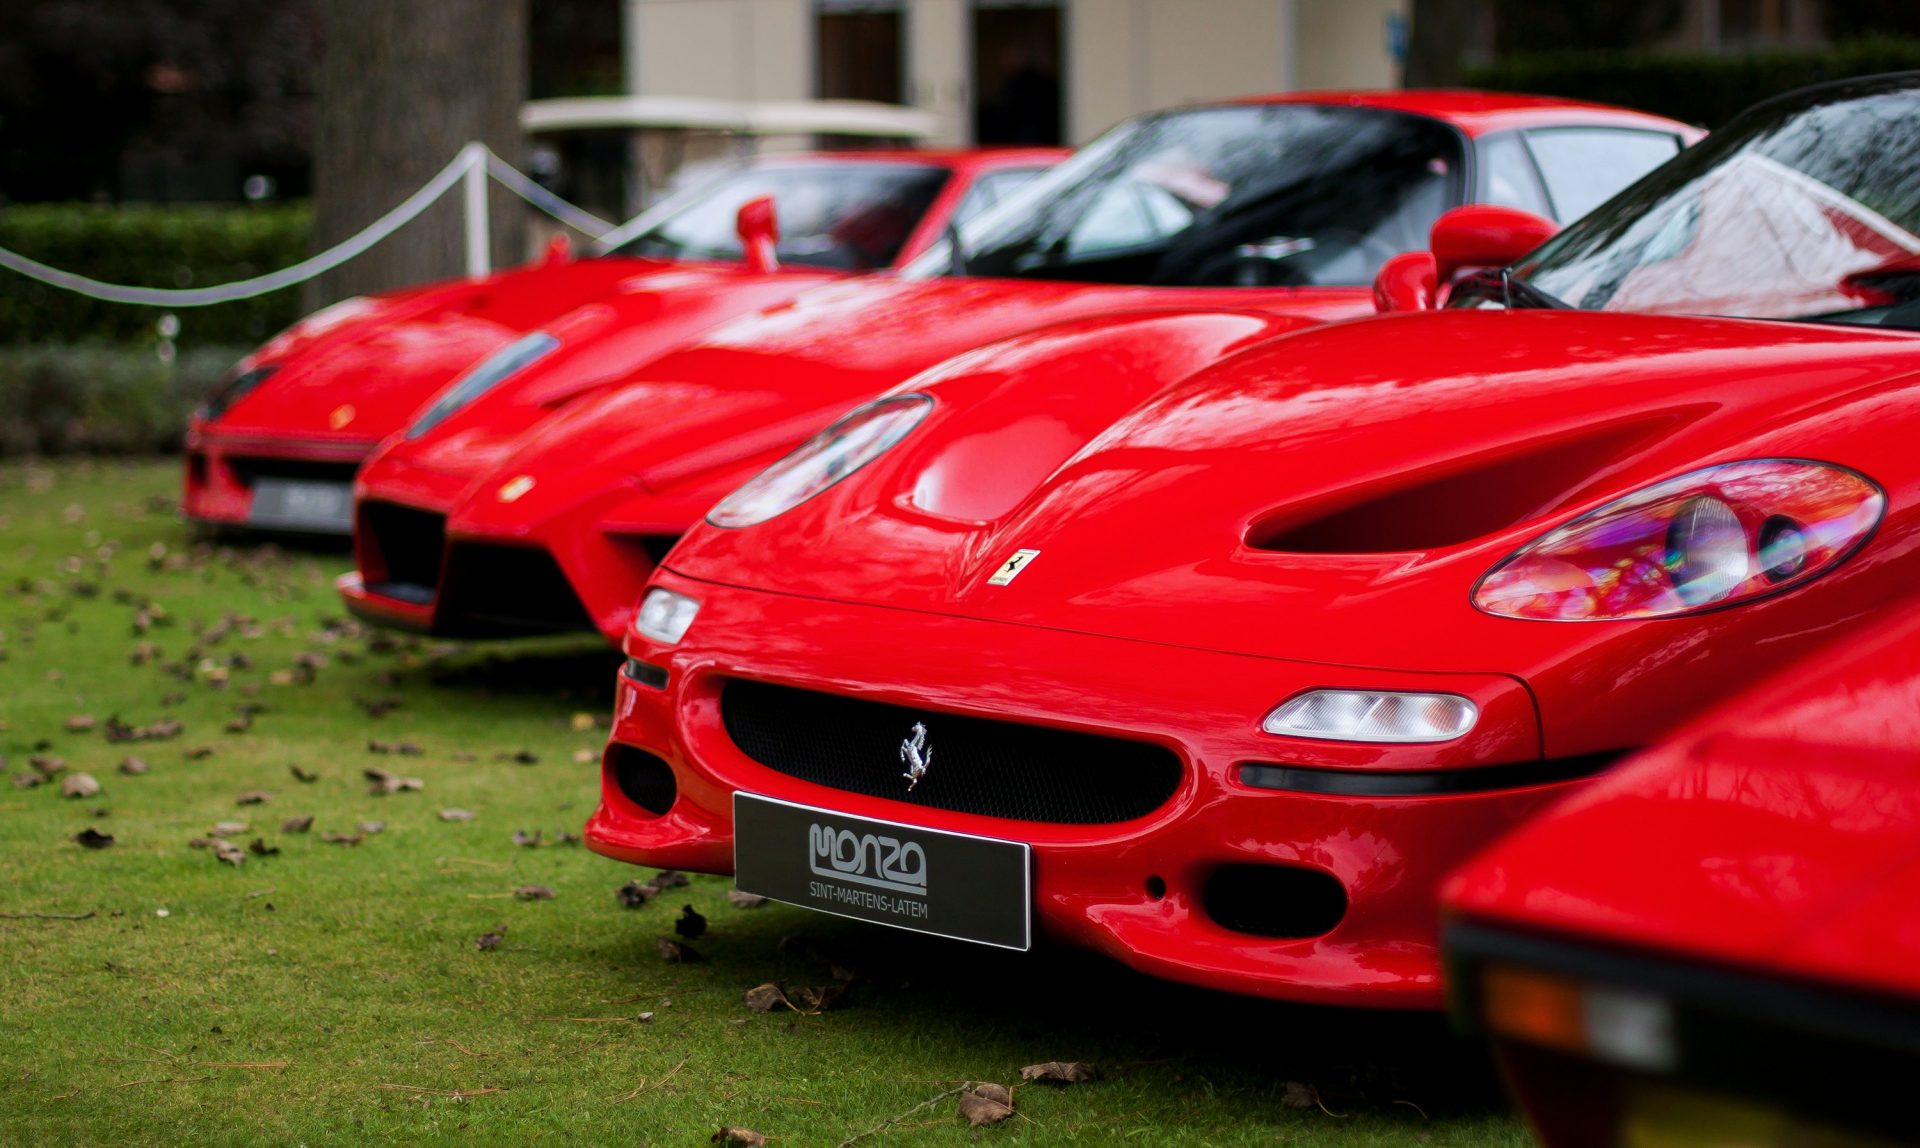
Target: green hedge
102, 398
1705, 90
148, 247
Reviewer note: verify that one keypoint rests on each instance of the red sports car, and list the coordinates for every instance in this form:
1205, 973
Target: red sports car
1214, 653
1720, 944
275, 446
1280, 209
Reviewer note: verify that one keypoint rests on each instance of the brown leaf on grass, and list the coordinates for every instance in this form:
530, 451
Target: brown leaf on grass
145, 651
79, 785
1300, 1095
341, 838
733, 1137
745, 900
133, 766
519, 757
456, 815
584, 756
379, 707
253, 797
675, 953
199, 752
409, 749
371, 827
526, 840
490, 939
690, 923
668, 879
375, 745
385, 782
465, 755
27, 780
46, 765
259, 848
81, 723
91, 838
582, 722
303, 776
633, 894
1060, 1072
239, 725
816, 998
986, 1104
202, 842
227, 829
563, 837
297, 824
533, 893
229, 853
766, 998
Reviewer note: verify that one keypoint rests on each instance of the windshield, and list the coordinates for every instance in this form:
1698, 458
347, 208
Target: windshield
1805, 208
853, 215
1253, 196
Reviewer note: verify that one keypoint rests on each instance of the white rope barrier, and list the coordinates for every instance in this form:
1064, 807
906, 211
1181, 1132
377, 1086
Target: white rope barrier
474, 162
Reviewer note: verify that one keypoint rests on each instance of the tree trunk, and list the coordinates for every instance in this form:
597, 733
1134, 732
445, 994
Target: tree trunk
403, 84
1442, 32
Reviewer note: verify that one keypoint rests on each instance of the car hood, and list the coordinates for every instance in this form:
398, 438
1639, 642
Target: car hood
361, 372
1781, 833
1306, 497
691, 424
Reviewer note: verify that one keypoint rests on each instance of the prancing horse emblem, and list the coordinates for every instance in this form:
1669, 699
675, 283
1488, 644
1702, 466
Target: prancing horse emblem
917, 755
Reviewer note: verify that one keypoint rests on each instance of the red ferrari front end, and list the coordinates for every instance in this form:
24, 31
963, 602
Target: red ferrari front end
1719, 945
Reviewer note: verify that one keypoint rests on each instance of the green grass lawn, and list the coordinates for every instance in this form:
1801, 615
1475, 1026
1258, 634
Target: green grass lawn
334, 993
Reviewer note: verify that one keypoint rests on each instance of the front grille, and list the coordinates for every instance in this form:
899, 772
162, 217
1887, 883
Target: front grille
405, 544
991, 768
508, 590
249, 470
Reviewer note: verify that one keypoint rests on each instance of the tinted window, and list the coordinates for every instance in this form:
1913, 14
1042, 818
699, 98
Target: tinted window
1585, 167
1806, 207
1507, 175
1254, 195
990, 189
848, 215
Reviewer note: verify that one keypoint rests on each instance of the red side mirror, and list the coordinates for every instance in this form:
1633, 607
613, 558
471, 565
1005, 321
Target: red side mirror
1405, 283
1484, 235
559, 251
759, 228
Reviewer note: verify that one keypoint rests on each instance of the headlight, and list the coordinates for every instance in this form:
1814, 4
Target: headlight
665, 616
222, 397
826, 458
1715, 537
1356, 715
492, 371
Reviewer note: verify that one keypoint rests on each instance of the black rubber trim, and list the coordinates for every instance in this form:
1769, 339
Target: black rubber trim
1833, 1054
647, 675
1425, 782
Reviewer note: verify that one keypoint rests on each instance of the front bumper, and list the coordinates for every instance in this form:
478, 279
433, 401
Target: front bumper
1146, 890
271, 484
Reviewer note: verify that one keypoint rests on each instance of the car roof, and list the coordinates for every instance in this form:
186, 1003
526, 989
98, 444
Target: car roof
1477, 112
958, 159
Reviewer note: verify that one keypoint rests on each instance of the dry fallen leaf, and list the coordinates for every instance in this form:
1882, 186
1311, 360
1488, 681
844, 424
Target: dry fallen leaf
46, 765
297, 824
534, 893
738, 1138
199, 751
27, 780
745, 900
1299, 1095
986, 1104
371, 827
490, 939
259, 848
526, 840
584, 756
456, 815
675, 953
385, 782
79, 785
408, 749
668, 879
81, 723
1060, 1072
306, 777
633, 894
582, 722
341, 838
133, 766
227, 829
91, 838
230, 853
816, 998
765, 998
253, 797
690, 923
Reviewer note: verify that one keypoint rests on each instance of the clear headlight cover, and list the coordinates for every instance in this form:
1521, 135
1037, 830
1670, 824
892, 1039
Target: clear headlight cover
665, 616
490, 373
849, 444
1714, 537
1373, 716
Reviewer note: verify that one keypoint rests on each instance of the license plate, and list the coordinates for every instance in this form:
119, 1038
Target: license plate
283, 504
949, 884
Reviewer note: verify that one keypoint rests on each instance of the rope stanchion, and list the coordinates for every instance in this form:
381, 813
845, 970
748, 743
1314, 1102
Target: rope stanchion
475, 159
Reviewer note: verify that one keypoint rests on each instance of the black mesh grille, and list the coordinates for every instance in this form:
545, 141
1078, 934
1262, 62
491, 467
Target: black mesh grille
251, 470
993, 768
508, 590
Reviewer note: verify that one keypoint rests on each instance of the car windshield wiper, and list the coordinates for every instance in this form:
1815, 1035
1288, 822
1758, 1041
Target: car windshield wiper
1520, 294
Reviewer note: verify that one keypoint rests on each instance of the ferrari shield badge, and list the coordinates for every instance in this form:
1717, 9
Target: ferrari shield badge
1010, 569
916, 755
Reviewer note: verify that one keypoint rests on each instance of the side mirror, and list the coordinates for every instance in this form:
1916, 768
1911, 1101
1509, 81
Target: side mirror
1405, 283
759, 228
1484, 235
559, 251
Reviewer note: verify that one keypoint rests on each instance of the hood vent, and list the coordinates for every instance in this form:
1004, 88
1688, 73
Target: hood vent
1478, 496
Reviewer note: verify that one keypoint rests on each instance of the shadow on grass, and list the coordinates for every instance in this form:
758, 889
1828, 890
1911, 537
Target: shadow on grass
574, 670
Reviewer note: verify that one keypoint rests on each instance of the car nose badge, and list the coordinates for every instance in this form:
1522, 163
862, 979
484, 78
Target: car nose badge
917, 755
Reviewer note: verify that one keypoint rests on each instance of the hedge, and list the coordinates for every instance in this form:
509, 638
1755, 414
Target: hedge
1699, 89
148, 247
102, 398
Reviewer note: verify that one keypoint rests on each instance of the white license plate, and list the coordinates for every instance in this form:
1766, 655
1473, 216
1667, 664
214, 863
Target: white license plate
286, 504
